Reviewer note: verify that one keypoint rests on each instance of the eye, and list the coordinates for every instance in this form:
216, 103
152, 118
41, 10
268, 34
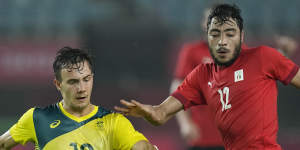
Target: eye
86, 79
214, 35
72, 82
230, 35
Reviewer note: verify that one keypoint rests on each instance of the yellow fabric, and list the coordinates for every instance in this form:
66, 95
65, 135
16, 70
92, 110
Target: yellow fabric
77, 119
111, 132
23, 131
125, 134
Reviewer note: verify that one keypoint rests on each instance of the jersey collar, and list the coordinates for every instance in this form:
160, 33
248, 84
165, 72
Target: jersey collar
75, 118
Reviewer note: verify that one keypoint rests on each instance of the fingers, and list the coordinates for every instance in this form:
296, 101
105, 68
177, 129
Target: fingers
126, 103
122, 110
136, 103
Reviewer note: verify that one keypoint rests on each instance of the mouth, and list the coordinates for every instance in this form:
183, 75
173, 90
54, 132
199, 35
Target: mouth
222, 52
80, 98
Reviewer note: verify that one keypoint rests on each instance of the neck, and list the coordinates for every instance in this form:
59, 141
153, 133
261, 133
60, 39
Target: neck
78, 112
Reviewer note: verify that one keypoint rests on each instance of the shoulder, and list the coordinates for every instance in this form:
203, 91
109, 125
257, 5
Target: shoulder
259, 51
28, 115
117, 120
114, 116
194, 46
50, 109
103, 112
201, 72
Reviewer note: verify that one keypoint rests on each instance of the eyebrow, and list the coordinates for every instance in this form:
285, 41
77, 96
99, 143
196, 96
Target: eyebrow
230, 29
90, 75
214, 30
226, 30
72, 79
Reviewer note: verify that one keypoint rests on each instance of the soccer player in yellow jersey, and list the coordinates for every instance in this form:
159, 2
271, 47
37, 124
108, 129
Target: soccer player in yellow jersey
74, 123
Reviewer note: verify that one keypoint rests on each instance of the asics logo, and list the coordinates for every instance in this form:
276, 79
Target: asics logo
55, 124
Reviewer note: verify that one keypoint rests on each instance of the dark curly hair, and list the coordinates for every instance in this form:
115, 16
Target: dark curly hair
223, 12
71, 58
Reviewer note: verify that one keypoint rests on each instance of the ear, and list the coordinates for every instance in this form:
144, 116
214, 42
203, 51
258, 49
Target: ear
57, 84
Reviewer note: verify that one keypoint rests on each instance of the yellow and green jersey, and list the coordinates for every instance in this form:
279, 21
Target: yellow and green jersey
52, 128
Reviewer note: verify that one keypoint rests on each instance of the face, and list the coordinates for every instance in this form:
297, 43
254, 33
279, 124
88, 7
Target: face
76, 86
224, 40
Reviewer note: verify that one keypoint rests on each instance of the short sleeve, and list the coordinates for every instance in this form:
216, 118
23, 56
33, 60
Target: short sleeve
277, 66
125, 136
189, 92
23, 131
185, 63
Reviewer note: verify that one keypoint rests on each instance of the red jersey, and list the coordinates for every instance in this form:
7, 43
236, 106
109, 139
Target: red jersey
190, 56
241, 97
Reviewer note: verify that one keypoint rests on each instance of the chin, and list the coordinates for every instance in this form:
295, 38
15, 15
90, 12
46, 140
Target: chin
82, 105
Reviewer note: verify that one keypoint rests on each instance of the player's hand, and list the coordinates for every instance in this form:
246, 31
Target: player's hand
135, 109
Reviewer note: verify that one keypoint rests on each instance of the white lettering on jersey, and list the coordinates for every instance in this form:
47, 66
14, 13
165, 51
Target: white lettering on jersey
225, 104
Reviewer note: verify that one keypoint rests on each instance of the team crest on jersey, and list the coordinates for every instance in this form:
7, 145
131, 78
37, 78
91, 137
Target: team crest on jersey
238, 75
100, 123
55, 124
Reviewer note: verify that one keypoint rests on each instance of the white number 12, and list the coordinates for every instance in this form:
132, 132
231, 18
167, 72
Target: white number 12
225, 104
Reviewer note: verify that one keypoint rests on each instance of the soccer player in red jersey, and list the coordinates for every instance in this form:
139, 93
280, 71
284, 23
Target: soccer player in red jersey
196, 126
239, 87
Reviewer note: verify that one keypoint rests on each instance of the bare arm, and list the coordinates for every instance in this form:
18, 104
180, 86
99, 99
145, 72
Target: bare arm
143, 145
296, 80
6, 141
156, 115
188, 129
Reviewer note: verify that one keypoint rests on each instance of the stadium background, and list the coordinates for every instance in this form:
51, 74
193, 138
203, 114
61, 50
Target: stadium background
135, 43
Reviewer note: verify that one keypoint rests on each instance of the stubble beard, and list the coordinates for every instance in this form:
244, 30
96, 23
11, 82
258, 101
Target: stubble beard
236, 54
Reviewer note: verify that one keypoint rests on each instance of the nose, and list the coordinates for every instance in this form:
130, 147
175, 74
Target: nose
81, 87
222, 41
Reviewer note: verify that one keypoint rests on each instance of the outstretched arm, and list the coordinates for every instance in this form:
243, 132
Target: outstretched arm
296, 80
156, 115
6, 141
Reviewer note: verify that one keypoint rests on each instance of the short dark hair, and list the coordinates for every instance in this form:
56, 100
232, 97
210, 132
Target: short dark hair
71, 58
223, 12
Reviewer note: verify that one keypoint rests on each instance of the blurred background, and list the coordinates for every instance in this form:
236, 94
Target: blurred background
135, 43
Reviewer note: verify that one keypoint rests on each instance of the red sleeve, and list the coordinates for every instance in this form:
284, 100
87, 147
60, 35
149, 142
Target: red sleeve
189, 92
185, 63
277, 66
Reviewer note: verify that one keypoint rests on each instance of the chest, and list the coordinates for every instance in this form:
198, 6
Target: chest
94, 134
228, 87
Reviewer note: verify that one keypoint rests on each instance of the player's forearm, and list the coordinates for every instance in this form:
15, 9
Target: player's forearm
6, 141
159, 116
296, 80
3, 144
4, 147
163, 112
